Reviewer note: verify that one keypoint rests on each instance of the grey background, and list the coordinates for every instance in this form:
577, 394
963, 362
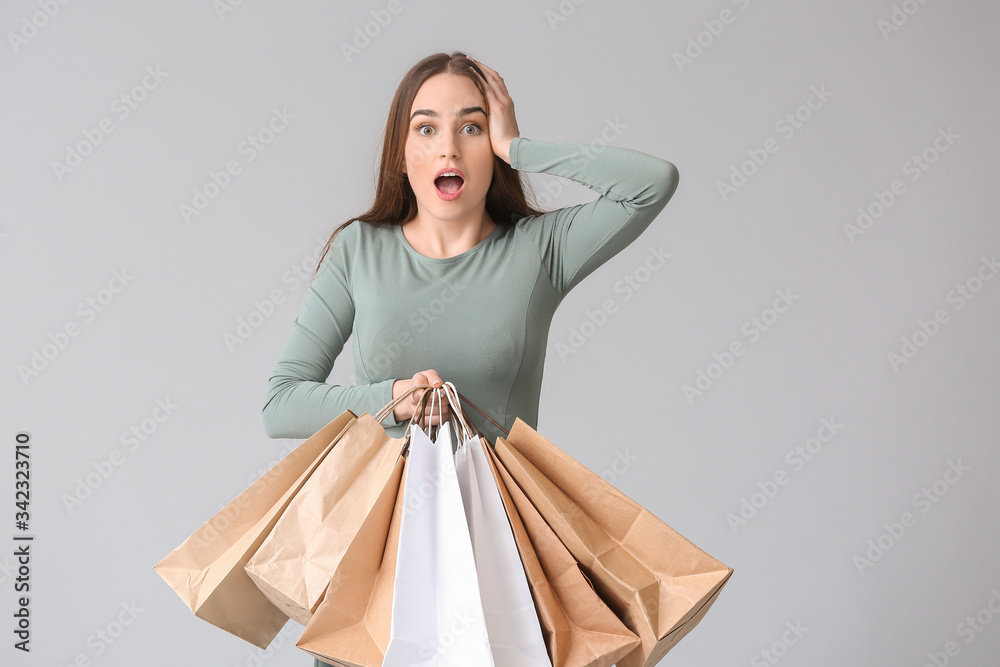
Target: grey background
620, 396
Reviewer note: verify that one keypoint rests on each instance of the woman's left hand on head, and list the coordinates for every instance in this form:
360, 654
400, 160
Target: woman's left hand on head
503, 125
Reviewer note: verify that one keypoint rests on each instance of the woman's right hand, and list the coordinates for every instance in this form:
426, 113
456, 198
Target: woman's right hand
408, 406
502, 124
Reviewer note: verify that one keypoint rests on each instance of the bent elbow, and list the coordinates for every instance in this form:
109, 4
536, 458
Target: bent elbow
272, 428
669, 178
270, 416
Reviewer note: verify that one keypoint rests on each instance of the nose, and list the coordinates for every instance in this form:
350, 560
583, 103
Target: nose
448, 146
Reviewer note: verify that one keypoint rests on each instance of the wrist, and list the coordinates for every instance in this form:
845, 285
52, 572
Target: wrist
504, 149
398, 387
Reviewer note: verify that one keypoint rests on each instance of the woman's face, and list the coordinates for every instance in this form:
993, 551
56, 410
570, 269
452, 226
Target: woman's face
448, 129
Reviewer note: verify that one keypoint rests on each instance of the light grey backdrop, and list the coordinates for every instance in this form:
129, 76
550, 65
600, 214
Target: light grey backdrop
844, 462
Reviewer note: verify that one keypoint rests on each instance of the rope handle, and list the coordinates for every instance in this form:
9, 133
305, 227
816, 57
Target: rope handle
459, 412
466, 401
451, 393
384, 412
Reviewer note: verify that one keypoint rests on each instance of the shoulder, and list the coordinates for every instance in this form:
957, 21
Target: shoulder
357, 241
348, 236
358, 237
339, 258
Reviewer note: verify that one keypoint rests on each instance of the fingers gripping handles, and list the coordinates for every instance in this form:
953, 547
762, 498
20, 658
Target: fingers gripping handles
455, 400
435, 396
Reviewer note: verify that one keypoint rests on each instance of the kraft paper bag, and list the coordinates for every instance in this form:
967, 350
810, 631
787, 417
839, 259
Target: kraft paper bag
437, 611
659, 583
350, 627
580, 629
294, 564
512, 624
206, 570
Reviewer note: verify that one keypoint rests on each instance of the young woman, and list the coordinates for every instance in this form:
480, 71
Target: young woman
452, 275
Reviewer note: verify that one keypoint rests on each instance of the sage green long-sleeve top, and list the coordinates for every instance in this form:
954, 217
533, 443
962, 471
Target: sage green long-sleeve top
480, 318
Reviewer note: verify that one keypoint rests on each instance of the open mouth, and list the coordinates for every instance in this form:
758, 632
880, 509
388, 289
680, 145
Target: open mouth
449, 187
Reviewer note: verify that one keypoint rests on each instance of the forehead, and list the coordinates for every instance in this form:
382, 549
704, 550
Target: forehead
447, 94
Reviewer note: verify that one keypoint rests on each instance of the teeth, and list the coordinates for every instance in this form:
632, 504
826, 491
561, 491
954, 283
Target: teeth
448, 173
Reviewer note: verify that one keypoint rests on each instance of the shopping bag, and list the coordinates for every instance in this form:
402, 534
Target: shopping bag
293, 566
659, 583
437, 612
350, 627
512, 625
580, 629
206, 570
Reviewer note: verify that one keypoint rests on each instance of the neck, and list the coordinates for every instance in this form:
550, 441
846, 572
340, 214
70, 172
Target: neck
434, 237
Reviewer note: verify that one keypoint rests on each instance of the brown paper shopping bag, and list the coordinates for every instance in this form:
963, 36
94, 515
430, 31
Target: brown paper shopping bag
294, 564
659, 583
350, 627
207, 569
580, 629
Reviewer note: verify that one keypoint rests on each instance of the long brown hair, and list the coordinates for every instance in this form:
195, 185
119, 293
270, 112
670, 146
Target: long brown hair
395, 203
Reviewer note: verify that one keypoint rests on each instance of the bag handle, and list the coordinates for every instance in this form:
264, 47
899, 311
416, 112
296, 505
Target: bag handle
472, 405
384, 412
439, 393
451, 393
435, 398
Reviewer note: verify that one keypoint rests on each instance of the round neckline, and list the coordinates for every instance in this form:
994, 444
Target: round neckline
444, 260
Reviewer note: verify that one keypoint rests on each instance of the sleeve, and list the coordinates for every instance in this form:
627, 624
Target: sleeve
574, 241
298, 401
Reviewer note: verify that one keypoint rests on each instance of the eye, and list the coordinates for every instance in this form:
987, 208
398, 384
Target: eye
477, 126
420, 129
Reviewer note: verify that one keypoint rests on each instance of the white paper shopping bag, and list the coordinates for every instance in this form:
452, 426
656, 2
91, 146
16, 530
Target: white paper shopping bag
437, 614
512, 624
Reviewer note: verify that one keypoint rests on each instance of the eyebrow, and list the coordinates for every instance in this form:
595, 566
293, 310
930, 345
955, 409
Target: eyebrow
430, 112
